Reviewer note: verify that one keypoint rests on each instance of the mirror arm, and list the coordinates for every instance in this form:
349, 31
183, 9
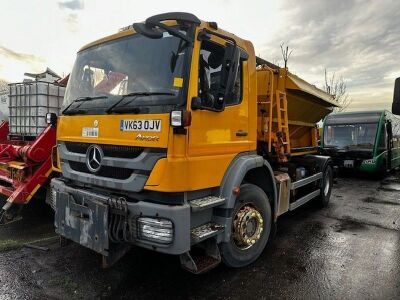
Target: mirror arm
171, 31
223, 36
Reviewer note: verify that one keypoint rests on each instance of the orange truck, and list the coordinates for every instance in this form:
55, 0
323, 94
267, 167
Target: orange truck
176, 138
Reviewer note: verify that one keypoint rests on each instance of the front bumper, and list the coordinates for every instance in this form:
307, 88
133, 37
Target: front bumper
362, 165
95, 220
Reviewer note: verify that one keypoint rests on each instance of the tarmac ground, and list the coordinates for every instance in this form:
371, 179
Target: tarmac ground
349, 250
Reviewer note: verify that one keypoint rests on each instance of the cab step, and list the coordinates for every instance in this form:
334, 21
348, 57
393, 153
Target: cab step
206, 202
205, 232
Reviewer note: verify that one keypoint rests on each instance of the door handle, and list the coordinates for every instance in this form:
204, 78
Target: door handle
241, 133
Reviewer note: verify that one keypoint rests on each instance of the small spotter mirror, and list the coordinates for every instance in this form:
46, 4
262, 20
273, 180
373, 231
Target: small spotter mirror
51, 119
148, 31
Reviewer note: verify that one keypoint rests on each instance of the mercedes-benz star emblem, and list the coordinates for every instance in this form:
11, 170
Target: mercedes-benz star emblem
94, 156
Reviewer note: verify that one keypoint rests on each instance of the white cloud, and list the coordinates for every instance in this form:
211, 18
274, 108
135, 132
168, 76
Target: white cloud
356, 39
72, 4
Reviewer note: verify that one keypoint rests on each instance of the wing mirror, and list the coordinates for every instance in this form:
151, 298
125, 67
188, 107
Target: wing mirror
229, 73
51, 119
396, 97
230, 66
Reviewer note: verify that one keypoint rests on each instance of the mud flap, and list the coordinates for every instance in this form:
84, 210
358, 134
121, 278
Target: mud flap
85, 223
116, 252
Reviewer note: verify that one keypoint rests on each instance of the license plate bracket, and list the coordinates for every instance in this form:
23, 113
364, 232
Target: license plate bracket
85, 222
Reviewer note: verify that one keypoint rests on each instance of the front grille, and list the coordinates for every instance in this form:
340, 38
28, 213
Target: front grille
105, 171
108, 150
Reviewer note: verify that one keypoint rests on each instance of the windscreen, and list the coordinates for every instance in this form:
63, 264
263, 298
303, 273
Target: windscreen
133, 64
350, 136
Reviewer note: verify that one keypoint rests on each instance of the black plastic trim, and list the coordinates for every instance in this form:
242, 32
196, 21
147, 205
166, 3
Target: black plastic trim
178, 16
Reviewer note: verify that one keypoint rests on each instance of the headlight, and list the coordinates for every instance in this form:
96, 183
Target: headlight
155, 230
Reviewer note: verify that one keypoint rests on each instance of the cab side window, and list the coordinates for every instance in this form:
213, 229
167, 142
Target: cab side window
210, 66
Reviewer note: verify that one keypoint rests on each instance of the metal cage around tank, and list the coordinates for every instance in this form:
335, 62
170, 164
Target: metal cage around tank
29, 102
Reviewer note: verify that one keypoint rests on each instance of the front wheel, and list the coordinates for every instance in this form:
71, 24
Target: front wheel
382, 170
326, 186
250, 225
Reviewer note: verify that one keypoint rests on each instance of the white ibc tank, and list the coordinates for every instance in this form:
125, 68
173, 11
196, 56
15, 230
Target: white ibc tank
29, 104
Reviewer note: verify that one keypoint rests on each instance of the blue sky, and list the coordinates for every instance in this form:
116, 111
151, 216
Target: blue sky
357, 39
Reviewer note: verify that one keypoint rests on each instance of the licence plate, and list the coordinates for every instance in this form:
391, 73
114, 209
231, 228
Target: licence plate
348, 163
140, 125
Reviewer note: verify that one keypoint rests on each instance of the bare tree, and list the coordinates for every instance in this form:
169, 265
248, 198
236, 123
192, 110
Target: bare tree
285, 53
337, 87
3, 86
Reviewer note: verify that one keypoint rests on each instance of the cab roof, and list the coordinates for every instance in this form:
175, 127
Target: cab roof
170, 19
357, 117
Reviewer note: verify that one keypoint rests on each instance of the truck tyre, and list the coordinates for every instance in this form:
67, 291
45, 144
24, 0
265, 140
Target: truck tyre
326, 187
250, 225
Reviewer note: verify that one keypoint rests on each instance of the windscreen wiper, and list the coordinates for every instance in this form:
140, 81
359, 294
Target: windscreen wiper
134, 97
330, 146
355, 146
174, 32
80, 99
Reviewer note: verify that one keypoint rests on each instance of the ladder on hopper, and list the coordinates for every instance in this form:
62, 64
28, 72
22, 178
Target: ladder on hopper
279, 137
283, 123
279, 140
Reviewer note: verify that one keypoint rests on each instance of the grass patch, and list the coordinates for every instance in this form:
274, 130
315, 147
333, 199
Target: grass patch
9, 244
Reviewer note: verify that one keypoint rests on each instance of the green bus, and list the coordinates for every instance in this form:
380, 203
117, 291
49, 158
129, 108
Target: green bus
366, 141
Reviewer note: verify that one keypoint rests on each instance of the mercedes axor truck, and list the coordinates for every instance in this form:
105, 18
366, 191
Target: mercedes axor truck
176, 138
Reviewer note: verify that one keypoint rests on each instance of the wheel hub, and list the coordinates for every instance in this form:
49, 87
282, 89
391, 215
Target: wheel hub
247, 227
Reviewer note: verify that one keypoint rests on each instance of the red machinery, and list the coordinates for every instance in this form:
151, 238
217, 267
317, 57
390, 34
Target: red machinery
24, 166
25, 161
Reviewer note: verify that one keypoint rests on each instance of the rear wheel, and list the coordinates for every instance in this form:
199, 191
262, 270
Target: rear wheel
251, 227
326, 186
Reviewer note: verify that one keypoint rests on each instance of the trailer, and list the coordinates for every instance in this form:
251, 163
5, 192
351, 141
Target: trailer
185, 143
26, 143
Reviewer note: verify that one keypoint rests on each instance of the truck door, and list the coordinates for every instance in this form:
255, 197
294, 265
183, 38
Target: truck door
389, 142
218, 134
